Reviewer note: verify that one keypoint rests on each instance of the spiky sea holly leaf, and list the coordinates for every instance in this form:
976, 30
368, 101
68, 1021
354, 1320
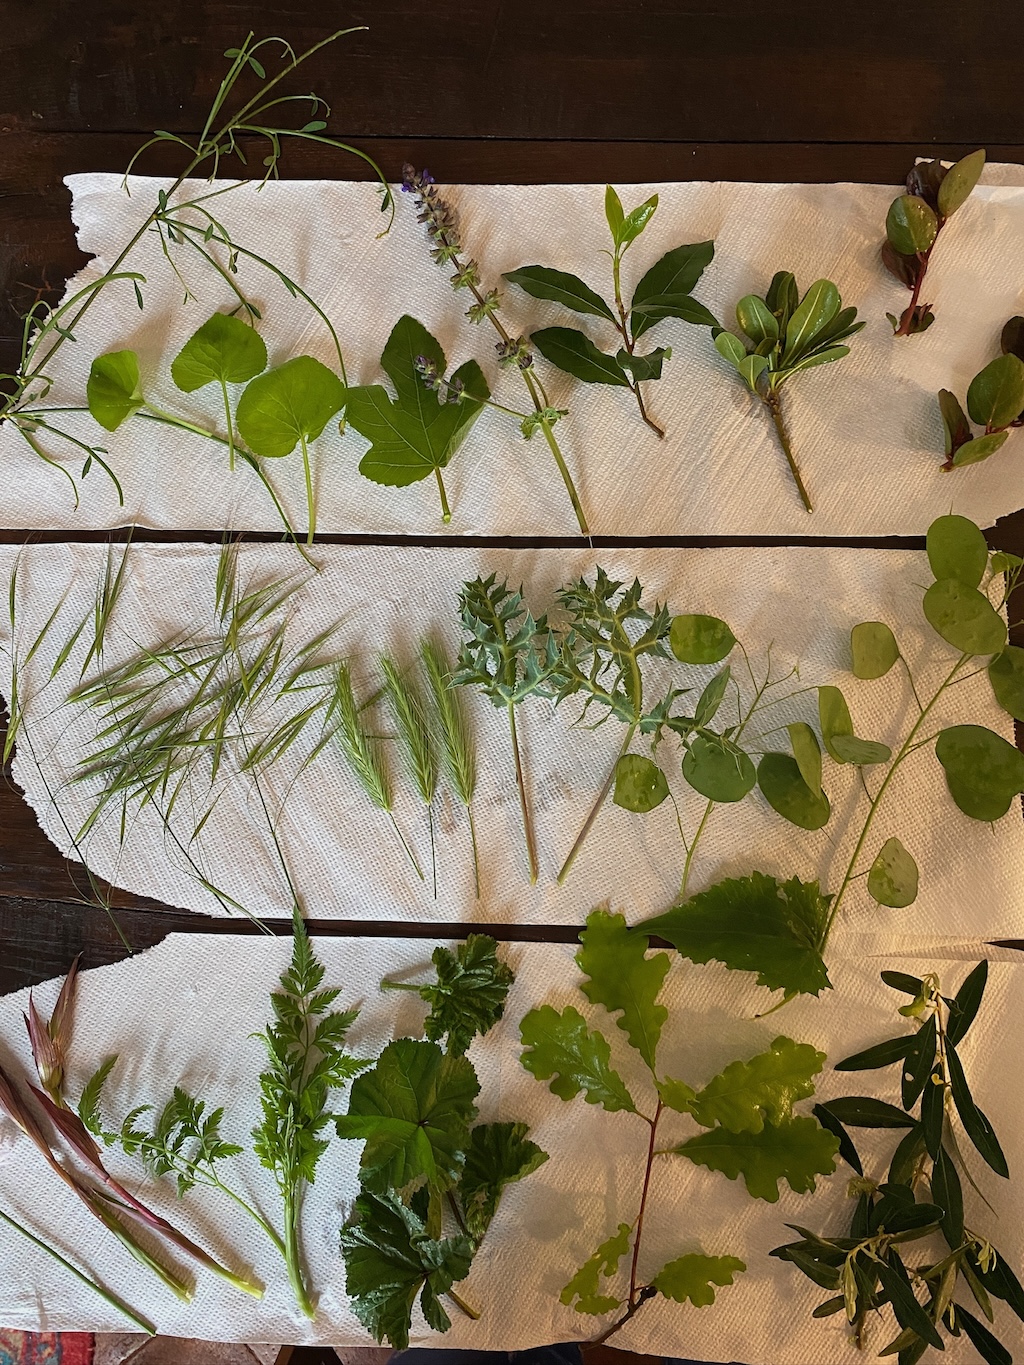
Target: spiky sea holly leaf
624, 979
795, 1151
562, 1050
747, 1094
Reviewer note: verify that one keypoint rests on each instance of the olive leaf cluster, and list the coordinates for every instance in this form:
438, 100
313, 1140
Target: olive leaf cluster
783, 334
934, 192
872, 1267
424, 1162
995, 402
664, 291
749, 1129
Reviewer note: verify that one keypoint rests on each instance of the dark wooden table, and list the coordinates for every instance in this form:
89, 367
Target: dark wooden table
486, 91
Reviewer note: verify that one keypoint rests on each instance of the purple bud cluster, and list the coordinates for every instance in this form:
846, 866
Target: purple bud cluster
515, 351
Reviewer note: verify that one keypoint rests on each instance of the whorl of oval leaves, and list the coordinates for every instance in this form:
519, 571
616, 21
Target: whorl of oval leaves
783, 787
873, 648
225, 350
910, 225
964, 617
957, 549
995, 397
1006, 674
112, 390
892, 878
983, 771
816, 310
292, 402
640, 785
718, 769
697, 639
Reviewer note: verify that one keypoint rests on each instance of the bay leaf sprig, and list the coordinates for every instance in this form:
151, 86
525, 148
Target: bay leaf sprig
442, 225
995, 402
934, 192
783, 335
665, 291
868, 1268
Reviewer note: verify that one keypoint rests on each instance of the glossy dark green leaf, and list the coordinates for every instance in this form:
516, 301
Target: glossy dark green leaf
984, 772
1000, 1280
113, 391
976, 1125
988, 1346
288, 404
558, 285
783, 787
873, 648
682, 306
995, 397
718, 769
966, 1003
964, 617
225, 350
644, 367
957, 549
864, 1111
919, 1062
932, 1116
948, 1193
907, 1155
1006, 674
577, 355
640, 785
958, 182
882, 1054
815, 312
847, 1150
757, 320
673, 276
955, 426
973, 452
782, 297
909, 1313
892, 877
910, 225
697, 639
902, 981
807, 752
1011, 338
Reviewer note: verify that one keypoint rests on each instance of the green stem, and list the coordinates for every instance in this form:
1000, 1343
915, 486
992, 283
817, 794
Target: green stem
433, 848
293, 1255
693, 845
555, 449
463, 1306
230, 425
476, 855
524, 805
408, 851
596, 807
310, 504
446, 511
773, 403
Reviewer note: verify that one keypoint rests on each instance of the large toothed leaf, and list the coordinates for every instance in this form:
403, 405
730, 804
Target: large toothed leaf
756, 924
796, 1151
469, 995
558, 285
583, 1292
747, 1094
561, 1049
623, 978
225, 350
689, 1278
498, 1155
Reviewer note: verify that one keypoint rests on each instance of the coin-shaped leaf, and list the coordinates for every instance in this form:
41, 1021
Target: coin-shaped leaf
1006, 674
892, 879
697, 639
964, 617
874, 649
957, 549
983, 771
783, 787
640, 785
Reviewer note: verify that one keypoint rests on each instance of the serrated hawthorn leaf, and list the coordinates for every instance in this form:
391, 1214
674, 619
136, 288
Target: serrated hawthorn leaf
562, 1050
796, 1151
747, 1094
624, 979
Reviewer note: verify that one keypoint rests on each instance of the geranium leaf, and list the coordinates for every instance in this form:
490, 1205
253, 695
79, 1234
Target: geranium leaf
691, 1277
469, 995
289, 404
112, 390
562, 1050
498, 1155
795, 1151
624, 979
225, 350
747, 1094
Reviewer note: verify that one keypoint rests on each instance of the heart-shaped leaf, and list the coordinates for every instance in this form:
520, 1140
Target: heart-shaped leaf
996, 395
910, 225
543, 283
958, 182
112, 390
289, 404
718, 769
892, 879
964, 617
225, 350
983, 771
957, 549
577, 355
783, 787
874, 649
1006, 674
640, 785
697, 639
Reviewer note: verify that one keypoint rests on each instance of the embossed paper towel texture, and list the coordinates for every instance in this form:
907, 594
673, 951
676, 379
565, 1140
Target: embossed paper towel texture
866, 431
184, 1012
801, 601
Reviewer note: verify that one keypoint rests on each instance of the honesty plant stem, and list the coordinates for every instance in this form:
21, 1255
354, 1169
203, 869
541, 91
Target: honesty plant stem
774, 405
596, 807
692, 848
293, 1256
106, 1294
446, 511
524, 805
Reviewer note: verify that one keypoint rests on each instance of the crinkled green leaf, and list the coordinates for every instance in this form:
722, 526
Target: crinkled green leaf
577, 355
561, 1049
640, 785
112, 390
983, 771
795, 1151
583, 1290
783, 787
225, 350
754, 924
293, 402
541, 282
874, 649
1006, 674
957, 549
691, 1277
624, 979
697, 639
892, 878
747, 1094
498, 1155
469, 995
995, 397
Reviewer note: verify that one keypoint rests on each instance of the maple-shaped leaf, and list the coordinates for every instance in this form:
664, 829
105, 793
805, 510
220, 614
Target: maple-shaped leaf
413, 1108
390, 1259
754, 924
795, 1151
746, 1094
622, 978
470, 992
561, 1049
583, 1290
691, 1277
498, 1155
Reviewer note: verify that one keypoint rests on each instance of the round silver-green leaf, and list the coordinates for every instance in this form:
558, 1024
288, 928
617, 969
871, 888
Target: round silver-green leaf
892, 879
874, 649
983, 771
964, 617
640, 785
807, 752
1006, 674
783, 787
697, 639
718, 769
957, 549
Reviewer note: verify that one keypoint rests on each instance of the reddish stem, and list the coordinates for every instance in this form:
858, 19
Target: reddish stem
907, 316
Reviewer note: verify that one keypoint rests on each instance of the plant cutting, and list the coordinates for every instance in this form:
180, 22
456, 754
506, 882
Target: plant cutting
746, 1112
915, 219
665, 291
995, 401
783, 335
451, 736
871, 1266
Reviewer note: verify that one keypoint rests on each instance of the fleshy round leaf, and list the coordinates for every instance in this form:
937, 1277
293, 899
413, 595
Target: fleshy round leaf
784, 788
958, 182
1006, 674
730, 348
755, 318
957, 549
292, 402
983, 771
892, 879
224, 350
558, 285
689, 1278
807, 752
995, 397
697, 639
874, 649
795, 1151
113, 391
718, 769
577, 355
624, 979
964, 617
910, 225
640, 785
973, 452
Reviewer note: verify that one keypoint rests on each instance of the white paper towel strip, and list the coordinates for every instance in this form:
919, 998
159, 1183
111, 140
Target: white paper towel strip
801, 601
184, 1012
866, 431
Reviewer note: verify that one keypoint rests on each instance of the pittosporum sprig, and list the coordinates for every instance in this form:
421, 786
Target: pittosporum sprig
995, 401
665, 291
786, 334
912, 227
441, 222
921, 1193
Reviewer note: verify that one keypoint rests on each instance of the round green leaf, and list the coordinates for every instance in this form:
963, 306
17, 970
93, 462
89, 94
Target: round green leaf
964, 617
640, 785
783, 787
807, 752
837, 732
112, 390
910, 225
958, 182
224, 350
292, 402
973, 452
892, 879
957, 549
983, 771
874, 649
995, 397
863, 752
1006, 674
718, 769
697, 639
756, 320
